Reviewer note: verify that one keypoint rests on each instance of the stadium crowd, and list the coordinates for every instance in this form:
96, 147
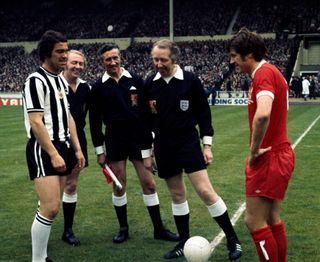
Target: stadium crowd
28, 20
125, 18
208, 59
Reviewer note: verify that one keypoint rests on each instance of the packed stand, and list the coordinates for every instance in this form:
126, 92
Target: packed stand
208, 59
285, 16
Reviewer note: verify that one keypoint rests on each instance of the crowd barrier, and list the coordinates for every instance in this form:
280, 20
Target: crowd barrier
234, 98
231, 98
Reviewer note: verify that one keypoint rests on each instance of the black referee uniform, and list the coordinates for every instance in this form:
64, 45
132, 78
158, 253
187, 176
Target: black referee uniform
117, 106
44, 92
175, 108
79, 105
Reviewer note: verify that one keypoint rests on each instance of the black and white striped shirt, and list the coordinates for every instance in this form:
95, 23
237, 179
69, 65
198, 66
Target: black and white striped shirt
45, 92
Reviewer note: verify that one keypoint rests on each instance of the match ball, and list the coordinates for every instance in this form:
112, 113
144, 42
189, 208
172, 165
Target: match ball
197, 249
110, 28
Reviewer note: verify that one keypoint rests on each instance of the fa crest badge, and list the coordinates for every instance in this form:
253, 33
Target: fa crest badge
153, 106
134, 96
184, 105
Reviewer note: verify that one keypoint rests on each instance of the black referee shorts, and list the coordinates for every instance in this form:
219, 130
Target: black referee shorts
122, 142
39, 162
174, 158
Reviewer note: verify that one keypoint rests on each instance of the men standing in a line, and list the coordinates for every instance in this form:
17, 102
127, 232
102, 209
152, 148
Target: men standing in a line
175, 104
116, 103
78, 94
270, 163
53, 149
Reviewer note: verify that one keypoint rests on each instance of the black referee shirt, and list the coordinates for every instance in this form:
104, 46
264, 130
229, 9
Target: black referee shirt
116, 104
78, 102
175, 108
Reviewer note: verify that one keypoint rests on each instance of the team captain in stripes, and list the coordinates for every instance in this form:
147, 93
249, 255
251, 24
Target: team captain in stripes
52, 137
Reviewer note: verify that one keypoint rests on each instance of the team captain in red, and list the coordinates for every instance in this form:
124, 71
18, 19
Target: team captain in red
270, 163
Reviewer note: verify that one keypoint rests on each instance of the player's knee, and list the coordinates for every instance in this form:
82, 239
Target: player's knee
178, 196
206, 195
248, 220
254, 222
149, 186
52, 210
71, 187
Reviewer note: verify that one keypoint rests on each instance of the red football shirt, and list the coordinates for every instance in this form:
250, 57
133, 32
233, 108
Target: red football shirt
267, 79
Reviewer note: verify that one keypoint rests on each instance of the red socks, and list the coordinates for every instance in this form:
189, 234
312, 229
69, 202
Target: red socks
279, 235
266, 244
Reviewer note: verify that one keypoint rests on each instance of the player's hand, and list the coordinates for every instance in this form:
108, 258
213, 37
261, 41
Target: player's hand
207, 154
81, 161
254, 155
101, 159
58, 163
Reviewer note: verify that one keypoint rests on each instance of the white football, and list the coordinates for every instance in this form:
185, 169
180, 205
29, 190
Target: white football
197, 249
110, 28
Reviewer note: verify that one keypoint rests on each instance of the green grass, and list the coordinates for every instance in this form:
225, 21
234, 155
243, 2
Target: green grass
96, 223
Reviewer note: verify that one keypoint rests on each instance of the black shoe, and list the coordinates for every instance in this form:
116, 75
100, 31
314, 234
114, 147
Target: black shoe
122, 235
69, 237
165, 234
49, 259
177, 251
234, 247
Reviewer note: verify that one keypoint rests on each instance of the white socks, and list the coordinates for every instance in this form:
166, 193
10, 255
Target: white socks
40, 232
151, 200
218, 208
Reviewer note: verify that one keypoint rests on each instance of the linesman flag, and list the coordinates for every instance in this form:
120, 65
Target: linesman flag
110, 176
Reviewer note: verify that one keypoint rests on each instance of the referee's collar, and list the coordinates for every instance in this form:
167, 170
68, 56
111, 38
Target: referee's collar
125, 73
178, 74
79, 80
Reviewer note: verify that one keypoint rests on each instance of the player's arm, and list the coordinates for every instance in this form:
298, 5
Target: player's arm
259, 126
96, 123
41, 134
75, 142
148, 135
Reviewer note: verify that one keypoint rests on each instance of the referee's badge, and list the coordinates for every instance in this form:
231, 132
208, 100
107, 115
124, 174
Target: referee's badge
133, 96
184, 105
153, 106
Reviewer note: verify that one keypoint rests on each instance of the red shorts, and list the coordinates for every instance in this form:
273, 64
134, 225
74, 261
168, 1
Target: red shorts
270, 174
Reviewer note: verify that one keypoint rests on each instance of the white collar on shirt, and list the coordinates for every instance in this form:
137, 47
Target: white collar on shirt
125, 73
79, 80
263, 92
178, 74
259, 65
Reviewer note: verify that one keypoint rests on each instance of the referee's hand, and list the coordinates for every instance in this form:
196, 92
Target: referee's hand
207, 154
101, 159
149, 164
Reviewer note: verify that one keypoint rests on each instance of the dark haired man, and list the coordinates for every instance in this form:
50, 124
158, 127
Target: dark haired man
175, 104
116, 103
52, 137
270, 163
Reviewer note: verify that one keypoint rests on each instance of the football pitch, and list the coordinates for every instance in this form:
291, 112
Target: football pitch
95, 220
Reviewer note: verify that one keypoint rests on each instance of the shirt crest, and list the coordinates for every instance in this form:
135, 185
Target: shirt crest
184, 105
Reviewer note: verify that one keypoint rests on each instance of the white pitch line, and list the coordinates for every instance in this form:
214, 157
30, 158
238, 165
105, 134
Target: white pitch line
217, 240
305, 132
